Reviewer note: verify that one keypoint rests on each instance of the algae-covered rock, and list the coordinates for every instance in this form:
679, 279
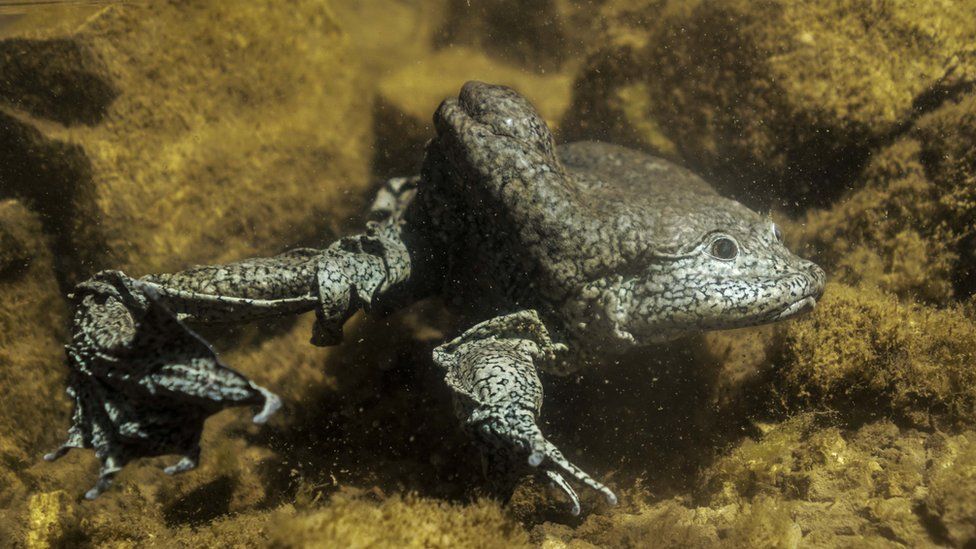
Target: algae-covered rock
349, 521
185, 132
668, 523
540, 35
865, 350
843, 487
48, 517
952, 485
612, 92
408, 98
802, 482
911, 226
32, 312
791, 94
385, 36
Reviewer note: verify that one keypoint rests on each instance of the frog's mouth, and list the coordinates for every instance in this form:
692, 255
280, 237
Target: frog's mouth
799, 307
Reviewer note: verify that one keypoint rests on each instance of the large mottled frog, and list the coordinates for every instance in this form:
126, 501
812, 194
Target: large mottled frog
557, 258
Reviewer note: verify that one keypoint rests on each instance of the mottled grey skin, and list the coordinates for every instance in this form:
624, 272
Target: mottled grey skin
556, 258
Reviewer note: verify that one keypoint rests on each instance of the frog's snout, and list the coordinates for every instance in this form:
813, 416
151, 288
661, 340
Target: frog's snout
817, 279
813, 291
805, 291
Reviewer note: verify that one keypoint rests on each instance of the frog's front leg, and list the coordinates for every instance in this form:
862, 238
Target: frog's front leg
143, 382
491, 369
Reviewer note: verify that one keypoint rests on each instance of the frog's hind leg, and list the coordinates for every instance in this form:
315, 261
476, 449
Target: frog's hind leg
491, 369
143, 382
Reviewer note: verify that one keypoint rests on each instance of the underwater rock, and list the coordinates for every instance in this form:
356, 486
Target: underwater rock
843, 486
170, 140
407, 98
539, 35
351, 519
611, 95
32, 317
866, 352
386, 36
803, 482
783, 94
910, 227
952, 485
48, 515
668, 523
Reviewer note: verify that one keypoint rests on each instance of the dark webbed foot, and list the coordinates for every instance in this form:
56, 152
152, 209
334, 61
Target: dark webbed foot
513, 439
490, 368
142, 382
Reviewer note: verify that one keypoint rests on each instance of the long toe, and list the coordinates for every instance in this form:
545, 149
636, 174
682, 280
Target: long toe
560, 482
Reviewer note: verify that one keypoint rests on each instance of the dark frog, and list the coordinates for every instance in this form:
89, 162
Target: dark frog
556, 257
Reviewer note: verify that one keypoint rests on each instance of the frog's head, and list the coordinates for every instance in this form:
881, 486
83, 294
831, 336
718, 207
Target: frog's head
723, 266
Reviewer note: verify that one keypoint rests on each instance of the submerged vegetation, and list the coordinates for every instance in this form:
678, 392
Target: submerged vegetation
153, 137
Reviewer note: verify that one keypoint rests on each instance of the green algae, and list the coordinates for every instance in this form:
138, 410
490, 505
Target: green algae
867, 350
909, 226
777, 96
31, 316
401, 522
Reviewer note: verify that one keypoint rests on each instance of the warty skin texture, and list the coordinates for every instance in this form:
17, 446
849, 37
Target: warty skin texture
611, 246
557, 258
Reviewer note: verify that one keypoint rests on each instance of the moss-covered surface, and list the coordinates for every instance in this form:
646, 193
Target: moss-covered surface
195, 131
540, 36
781, 96
851, 427
31, 372
401, 522
910, 225
866, 350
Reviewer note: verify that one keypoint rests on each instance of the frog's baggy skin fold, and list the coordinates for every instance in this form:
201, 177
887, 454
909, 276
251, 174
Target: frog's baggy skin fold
556, 257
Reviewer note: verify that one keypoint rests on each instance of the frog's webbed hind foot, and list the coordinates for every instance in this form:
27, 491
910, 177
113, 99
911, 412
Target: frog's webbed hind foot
491, 369
142, 382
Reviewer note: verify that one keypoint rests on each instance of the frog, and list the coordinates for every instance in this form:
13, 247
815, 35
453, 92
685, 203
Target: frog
555, 259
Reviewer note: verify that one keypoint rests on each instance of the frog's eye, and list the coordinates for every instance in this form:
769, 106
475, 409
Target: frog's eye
777, 234
724, 248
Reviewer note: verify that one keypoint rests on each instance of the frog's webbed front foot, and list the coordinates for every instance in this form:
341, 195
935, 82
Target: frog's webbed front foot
491, 369
143, 382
